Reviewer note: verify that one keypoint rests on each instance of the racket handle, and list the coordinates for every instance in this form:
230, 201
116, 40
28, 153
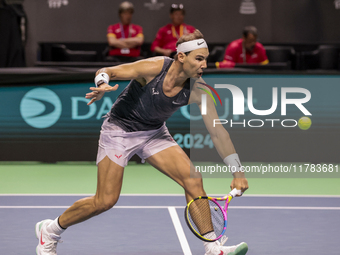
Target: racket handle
235, 192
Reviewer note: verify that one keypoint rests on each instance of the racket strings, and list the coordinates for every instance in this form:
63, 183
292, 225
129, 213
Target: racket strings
205, 216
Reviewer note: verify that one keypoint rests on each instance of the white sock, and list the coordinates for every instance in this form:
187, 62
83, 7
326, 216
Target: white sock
208, 245
55, 228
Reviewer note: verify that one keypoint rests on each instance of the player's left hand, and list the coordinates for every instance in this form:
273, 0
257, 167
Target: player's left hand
98, 93
239, 182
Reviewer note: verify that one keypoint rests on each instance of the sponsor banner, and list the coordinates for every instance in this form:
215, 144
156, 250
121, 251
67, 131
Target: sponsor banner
281, 118
59, 111
247, 102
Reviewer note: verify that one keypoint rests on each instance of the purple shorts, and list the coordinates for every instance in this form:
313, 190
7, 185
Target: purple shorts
120, 145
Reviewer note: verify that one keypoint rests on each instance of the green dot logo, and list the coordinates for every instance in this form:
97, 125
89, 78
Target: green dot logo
40, 108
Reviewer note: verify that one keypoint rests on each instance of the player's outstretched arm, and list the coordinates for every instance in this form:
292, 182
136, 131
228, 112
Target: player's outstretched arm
219, 135
143, 71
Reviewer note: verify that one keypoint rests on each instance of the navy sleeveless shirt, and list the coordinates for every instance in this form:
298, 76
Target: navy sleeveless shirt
145, 108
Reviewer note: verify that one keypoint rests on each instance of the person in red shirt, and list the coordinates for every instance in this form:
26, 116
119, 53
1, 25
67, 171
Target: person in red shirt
167, 36
125, 38
244, 51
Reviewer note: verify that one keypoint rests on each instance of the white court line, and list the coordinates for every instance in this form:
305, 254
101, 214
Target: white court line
302, 196
166, 195
45, 195
179, 207
285, 207
179, 230
67, 206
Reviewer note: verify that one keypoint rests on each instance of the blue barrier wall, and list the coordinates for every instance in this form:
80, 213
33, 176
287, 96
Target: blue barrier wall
53, 121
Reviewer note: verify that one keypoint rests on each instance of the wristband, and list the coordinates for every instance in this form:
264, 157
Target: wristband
233, 162
101, 78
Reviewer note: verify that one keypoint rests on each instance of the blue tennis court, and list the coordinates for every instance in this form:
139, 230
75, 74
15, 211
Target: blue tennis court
151, 224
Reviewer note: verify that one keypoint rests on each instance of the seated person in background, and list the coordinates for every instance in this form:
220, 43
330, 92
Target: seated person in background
167, 36
244, 51
125, 38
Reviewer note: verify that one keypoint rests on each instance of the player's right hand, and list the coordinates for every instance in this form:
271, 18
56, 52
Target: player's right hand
239, 182
98, 93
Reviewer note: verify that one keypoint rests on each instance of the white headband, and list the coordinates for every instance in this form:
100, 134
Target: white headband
192, 45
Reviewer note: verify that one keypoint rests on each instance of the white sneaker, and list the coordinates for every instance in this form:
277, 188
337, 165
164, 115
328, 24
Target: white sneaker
47, 242
219, 249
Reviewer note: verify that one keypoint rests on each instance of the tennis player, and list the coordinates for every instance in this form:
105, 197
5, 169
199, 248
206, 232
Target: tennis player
136, 125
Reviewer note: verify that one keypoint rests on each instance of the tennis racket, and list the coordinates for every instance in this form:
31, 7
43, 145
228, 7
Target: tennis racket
206, 218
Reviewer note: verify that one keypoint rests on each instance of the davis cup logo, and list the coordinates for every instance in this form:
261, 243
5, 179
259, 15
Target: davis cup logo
40, 108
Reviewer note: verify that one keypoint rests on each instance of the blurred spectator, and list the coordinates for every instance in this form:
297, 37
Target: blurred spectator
167, 36
245, 50
125, 38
